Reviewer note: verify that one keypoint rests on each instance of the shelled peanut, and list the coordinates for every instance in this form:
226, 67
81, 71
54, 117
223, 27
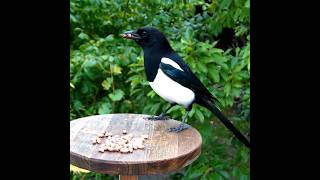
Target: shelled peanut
116, 143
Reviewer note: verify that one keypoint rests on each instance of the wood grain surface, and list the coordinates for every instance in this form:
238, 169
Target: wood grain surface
164, 151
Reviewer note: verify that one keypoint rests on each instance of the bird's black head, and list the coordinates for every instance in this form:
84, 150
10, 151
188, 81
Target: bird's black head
147, 37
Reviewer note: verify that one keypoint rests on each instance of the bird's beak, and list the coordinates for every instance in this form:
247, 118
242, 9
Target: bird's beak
131, 35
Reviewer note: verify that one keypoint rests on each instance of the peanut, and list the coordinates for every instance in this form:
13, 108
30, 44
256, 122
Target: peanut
130, 149
140, 146
110, 148
100, 135
101, 149
125, 143
145, 136
134, 145
124, 150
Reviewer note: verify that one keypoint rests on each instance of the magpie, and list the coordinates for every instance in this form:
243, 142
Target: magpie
172, 79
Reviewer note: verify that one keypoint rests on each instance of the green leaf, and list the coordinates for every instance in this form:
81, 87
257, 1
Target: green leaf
247, 4
214, 74
191, 113
202, 67
237, 85
219, 58
105, 108
84, 88
216, 50
73, 18
243, 177
109, 38
117, 95
216, 176
224, 174
195, 174
199, 115
90, 69
111, 59
104, 57
151, 94
83, 36
188, 34
106, 84
234, 62
154, 108
236, 92
225, 4
90, 63
77, 105
227, 89
224, 75
229, 101
236, 172
174, 109
116, 69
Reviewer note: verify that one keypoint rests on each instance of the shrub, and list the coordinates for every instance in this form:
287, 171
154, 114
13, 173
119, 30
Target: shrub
107, 74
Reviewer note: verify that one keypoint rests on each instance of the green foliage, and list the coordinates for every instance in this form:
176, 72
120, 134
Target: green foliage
107, 73
91, 175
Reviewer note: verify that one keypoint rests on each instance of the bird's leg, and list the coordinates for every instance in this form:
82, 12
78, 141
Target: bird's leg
182, 126
162, 116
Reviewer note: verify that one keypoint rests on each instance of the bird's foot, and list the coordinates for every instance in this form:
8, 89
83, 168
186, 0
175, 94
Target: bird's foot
157, 118
179, 128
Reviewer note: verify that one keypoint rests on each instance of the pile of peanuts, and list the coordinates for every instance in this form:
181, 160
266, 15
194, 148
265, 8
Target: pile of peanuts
124, 144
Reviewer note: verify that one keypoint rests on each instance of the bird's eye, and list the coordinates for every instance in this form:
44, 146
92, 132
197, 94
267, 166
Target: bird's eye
144, 33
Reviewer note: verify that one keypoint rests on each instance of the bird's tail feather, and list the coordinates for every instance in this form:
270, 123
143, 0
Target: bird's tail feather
212, 107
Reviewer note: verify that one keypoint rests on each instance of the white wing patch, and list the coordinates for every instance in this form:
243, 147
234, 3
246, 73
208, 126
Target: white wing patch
172, 63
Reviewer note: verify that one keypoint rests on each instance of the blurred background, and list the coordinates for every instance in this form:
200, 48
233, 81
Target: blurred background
212, 36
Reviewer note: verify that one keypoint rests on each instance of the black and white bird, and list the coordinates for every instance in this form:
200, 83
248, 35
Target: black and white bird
172, 79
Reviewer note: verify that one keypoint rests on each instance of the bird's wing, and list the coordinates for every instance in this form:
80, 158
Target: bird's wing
185, 79
184, 66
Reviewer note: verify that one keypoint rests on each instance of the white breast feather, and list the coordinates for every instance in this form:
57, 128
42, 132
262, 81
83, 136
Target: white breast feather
170, 90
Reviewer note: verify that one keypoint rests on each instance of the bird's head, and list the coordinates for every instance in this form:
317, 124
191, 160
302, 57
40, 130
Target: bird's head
147, 37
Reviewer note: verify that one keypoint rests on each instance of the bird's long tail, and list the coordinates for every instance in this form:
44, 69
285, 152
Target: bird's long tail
214, 109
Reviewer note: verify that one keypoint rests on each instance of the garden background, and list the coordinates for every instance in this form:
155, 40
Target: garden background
212, 36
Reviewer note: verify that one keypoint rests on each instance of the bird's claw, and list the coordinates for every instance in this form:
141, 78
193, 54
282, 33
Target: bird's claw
179, 128
157, 118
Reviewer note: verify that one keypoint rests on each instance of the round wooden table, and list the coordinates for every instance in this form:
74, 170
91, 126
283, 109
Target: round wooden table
164, 151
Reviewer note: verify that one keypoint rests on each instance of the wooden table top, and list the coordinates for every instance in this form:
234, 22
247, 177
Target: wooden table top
164, 151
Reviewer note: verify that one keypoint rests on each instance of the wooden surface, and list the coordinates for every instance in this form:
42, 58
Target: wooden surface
164, 152
128, 177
